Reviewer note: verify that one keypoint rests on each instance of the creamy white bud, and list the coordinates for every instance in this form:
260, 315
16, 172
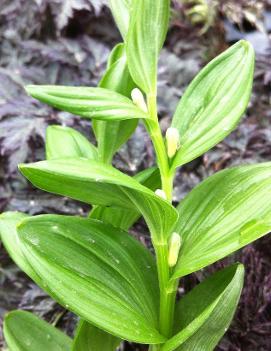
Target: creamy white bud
138, 99
175, 243
173, 141
161, 193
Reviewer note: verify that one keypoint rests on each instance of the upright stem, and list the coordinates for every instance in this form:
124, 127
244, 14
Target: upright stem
167, 288
159, 146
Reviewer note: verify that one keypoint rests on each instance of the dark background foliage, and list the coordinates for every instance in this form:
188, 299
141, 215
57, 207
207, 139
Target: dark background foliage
68, 42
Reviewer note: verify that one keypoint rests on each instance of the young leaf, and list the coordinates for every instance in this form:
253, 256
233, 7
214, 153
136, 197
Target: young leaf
90, 338
67, 142
24, 331
214, 102
224, 213
99, 103
98, 184
205, 313
125, 218
97, 271
111, 135
147, 31
117, 76
120, 10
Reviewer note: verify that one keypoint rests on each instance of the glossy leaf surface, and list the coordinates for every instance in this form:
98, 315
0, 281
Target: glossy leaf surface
99, 103
147, 32
90, 338
119, 217
9, 237
97, 271
205, 313
24, 331
214, 102
111, 135
97, 184
124, 218
224, 213
67, 142
120, 10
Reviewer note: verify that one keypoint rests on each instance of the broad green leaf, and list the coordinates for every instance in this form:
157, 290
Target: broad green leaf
98, 184
214, 102
125, 218
205, 313
9, 237
67, 142
24, 331
111, 135
119, 217
224, 213
120, 10
147, 31
90, 338
96, 103
97, 271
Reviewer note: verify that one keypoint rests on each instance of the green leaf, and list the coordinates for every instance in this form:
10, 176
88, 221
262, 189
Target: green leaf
99, 103
214, 102
90, 338
111, 135
117, 76
120, 10
205, 313
98, 184
221, 215
9, 237
97, 271
125, 218
11, 241
147, 31
24, 331
67, 142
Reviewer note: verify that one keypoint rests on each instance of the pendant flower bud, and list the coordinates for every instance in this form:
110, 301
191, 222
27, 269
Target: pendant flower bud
175, 243
173, 141
161, 194
138, 99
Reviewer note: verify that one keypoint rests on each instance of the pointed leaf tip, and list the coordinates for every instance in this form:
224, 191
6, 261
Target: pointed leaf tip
214, 102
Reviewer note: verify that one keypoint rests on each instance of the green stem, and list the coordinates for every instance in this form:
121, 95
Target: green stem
167, 294
167, 289
159, 146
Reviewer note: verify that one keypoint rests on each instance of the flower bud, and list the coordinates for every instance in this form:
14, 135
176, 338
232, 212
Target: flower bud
161, 194
173, 141
175, 243
138, 99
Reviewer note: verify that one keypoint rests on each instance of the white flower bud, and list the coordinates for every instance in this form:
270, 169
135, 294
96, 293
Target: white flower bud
161, 194
175, 243
138, 99
173, 141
